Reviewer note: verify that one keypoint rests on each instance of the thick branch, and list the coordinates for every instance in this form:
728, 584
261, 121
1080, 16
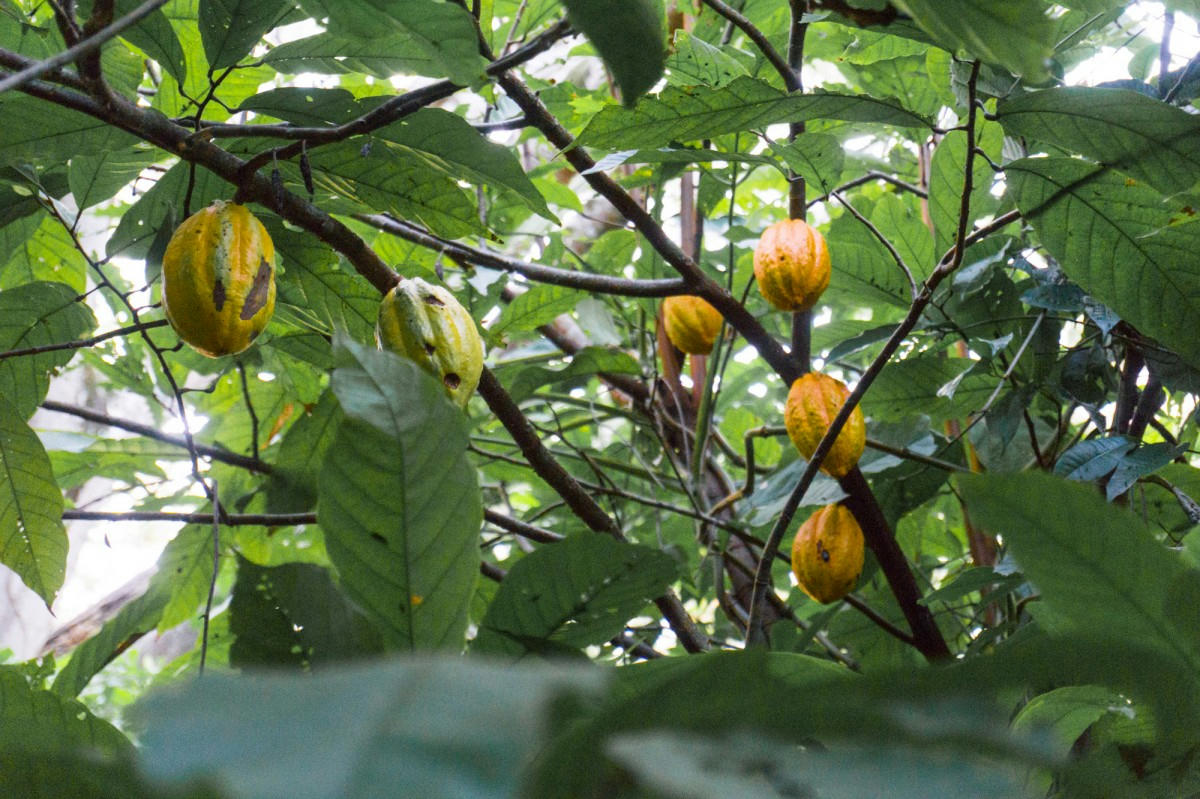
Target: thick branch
81, 48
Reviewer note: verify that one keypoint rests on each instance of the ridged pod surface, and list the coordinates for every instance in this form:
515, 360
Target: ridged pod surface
791, 265
427, 324
827, 554
812, 402
691, 323
219, 279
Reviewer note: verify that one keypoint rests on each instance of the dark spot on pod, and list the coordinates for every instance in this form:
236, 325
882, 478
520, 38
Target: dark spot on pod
379, 538
219, 295
432, 300
430, 348
259, 290
452, 381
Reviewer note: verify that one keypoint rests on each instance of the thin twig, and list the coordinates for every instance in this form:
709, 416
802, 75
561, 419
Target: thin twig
227, 519
212, 583
885, 241
81, 48
84, 342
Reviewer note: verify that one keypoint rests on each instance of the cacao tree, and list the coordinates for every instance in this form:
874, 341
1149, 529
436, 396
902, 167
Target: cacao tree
685, 300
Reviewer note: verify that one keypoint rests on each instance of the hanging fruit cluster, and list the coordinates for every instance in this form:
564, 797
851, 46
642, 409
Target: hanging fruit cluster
219, 279
827, 554
427, 324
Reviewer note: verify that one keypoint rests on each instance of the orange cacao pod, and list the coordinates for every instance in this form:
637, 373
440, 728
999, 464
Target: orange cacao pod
827, 554
791, 265
812, 402
219, 279
691, 323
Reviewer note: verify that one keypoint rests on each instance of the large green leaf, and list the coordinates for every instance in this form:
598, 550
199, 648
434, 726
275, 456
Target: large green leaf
33, 542
331, 54
58, 135
1112, 237
179, 561
231, 28
444, 33
33, 719
293, 484
419, 727
398, 500
381, 177
156, 38
702, 113
695, 62
523, 382
1015, 34
946, 173
96, 178
34, 315
628, 35
942, 388
449, 143
1100, 570
573, 594
42, 249
535, 307
294, 615
187, 563
1122, 129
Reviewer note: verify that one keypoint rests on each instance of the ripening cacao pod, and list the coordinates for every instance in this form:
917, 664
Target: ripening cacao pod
426, 324
219, 279
691, 323
791, 265
827, 554
812, 402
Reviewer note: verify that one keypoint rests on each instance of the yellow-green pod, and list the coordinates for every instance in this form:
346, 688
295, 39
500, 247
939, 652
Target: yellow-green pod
219, 279
427, 324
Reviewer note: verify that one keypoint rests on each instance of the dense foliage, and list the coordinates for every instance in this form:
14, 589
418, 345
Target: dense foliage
576, 581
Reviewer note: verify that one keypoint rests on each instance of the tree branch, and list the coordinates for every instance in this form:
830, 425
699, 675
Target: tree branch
81, 48
584, 281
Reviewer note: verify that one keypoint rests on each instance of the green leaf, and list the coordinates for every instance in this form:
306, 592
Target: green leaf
585, 363
37, 720
34, 315
695, 62
535, 307
1090, 460
231, 28
1111, 235
96, 178
294, 615
1122, 129
628, 35
44, 251
448, 143
419, 727
942, 388
162, 203
308, 106
399, 502
1139, 463
1098, 569
292, 487
946, 172
577, 592
33, 542
154, 35
60, 134
180, 561
1068, 712
444, 33
818, 157
186, 564
703, 113
1016, 34
317, 291
332, 54
379, 176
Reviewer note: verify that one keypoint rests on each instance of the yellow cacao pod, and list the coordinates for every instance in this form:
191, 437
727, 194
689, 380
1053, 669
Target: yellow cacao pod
691, 323
219, 279
812, 402
791, 265
827, 554
426, 324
